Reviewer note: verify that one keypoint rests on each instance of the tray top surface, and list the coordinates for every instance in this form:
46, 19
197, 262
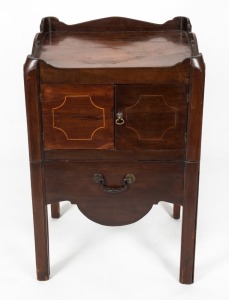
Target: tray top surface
128, 49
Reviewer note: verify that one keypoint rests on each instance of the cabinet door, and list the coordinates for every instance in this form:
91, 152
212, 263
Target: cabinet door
151, 117
77, 116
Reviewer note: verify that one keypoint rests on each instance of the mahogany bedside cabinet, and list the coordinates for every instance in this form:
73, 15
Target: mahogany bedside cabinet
114, 111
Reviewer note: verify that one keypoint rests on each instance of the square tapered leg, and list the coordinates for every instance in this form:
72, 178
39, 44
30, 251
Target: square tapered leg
188, 239
40, 223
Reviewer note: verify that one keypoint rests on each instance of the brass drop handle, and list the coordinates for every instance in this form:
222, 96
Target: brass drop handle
119, 120
99, 179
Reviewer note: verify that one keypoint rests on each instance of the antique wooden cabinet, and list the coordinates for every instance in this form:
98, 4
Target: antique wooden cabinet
114, 110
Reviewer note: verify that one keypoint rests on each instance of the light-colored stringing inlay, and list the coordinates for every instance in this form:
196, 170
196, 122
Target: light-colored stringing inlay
142, 98
87, 97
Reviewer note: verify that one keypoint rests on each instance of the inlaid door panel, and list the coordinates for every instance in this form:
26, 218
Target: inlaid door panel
78, 116
151, 117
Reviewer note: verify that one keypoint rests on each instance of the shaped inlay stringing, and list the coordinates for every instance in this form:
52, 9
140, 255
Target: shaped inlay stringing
151, 117
78, 117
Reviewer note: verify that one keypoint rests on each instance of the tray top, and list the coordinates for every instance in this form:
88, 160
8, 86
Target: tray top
114, 49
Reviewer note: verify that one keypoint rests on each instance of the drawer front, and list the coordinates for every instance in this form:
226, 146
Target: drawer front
78, 116
115, 200
154, 117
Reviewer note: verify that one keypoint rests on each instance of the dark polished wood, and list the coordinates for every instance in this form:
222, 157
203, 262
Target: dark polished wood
176, 74
115, 24
32, 90
154, 117
40, 222
114, 155
78, 117
114, 113
195, 108
120, 208
188, 240
114, 49
176, 211
55, 210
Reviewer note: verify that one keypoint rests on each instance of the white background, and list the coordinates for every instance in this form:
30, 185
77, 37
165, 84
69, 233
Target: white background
89, 261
